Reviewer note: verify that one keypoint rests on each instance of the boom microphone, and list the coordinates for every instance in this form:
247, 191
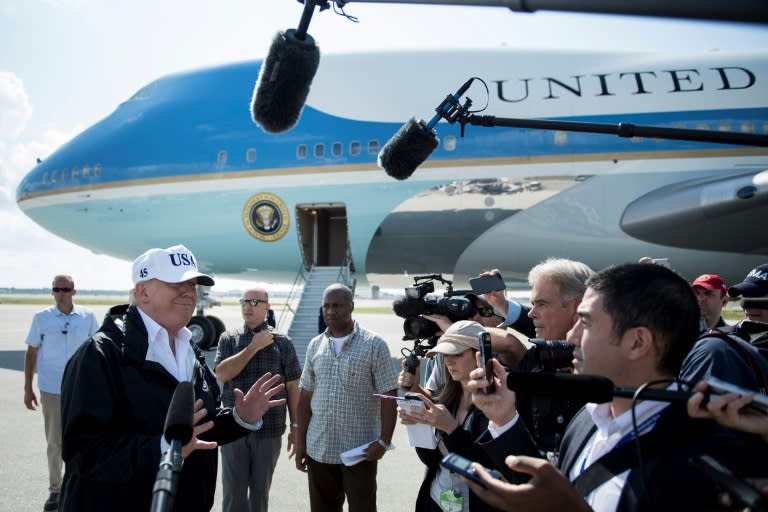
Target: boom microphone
587, 388
285, 76
415, 141
178, 430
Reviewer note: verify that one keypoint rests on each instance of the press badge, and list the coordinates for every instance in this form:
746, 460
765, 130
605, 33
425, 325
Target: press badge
451, 501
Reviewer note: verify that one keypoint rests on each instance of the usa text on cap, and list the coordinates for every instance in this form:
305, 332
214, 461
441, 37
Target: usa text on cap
172, 265
754, 285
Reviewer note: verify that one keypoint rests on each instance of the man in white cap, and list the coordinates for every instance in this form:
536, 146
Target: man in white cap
118, 386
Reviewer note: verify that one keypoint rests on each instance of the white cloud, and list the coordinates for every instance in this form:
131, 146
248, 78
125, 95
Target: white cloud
15, 109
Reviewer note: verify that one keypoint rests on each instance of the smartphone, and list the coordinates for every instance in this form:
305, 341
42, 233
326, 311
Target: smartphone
740, 491
485, 284
463, 466
721, 387
486, 354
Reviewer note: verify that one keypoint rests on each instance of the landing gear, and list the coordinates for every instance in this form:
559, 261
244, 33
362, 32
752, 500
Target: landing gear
218, 326
203, 331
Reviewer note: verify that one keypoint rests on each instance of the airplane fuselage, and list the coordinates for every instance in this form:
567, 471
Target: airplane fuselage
182, 162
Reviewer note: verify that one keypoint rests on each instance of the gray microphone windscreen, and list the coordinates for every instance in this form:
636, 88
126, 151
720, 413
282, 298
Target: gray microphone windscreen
407, 149
284, 80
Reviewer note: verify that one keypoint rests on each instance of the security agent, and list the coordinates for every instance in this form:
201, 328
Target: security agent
118, 386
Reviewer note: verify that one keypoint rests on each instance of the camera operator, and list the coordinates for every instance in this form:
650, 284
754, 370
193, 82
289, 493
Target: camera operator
557, 287
505, 345
428, 315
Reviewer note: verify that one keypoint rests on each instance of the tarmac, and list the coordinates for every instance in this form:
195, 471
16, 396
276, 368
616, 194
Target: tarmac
23, 467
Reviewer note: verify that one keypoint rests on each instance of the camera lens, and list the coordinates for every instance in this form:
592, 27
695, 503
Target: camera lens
416, 327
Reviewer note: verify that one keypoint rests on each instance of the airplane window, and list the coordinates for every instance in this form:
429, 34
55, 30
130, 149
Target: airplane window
301, 151
250, 155
222, 158
561, 138
336, 149
64, 173
747, 127
75, 172
97, 170
354, 148
319, 150
45, 177
449, 142
724, 127
86, 171
702, 126
373, 147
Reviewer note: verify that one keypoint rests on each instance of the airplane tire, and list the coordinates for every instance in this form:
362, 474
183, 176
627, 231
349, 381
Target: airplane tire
219, 328
203, 331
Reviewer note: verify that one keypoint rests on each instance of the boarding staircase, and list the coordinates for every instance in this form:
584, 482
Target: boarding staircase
306, 314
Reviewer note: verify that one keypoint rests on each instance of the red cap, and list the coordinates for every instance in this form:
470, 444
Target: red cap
711, 282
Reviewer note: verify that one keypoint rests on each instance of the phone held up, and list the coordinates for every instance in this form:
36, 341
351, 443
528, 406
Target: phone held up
485, 284
486, 354
463, 467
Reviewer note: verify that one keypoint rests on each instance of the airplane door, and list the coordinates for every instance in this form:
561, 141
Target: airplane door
323, 234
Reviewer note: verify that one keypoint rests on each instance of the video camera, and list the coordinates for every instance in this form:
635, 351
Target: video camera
418, 301
549, 355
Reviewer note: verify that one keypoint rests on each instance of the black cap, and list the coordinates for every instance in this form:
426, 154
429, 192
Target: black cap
754, 285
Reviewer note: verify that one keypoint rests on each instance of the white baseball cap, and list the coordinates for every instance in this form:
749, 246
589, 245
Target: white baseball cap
172, 265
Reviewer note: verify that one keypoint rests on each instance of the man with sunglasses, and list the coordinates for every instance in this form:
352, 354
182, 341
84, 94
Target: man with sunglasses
753, 291
54, 335
243, 356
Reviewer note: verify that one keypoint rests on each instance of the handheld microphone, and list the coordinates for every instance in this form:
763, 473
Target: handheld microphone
587, 388
415, 141
285, 76
177, 431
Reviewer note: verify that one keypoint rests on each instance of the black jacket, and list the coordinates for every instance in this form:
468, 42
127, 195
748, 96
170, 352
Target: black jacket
668, 481
462, 442
114, 404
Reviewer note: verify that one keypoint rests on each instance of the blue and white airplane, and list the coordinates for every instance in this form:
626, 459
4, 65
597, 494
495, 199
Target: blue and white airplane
182, 162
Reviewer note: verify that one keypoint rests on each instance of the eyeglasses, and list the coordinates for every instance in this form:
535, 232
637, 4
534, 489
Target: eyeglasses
56, 289
484, 312
253, 302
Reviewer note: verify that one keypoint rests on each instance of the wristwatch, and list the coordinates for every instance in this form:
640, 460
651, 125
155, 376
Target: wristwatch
383, 444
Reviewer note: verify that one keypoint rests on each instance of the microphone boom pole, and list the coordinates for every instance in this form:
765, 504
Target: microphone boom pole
620, 129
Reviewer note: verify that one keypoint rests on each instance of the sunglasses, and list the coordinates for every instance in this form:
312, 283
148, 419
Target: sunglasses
484, 312
253, 302
56, 289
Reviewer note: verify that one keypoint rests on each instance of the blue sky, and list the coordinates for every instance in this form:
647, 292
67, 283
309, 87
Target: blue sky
65, 64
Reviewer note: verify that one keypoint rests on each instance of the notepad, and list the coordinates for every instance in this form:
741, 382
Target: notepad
356, 455
420, 435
